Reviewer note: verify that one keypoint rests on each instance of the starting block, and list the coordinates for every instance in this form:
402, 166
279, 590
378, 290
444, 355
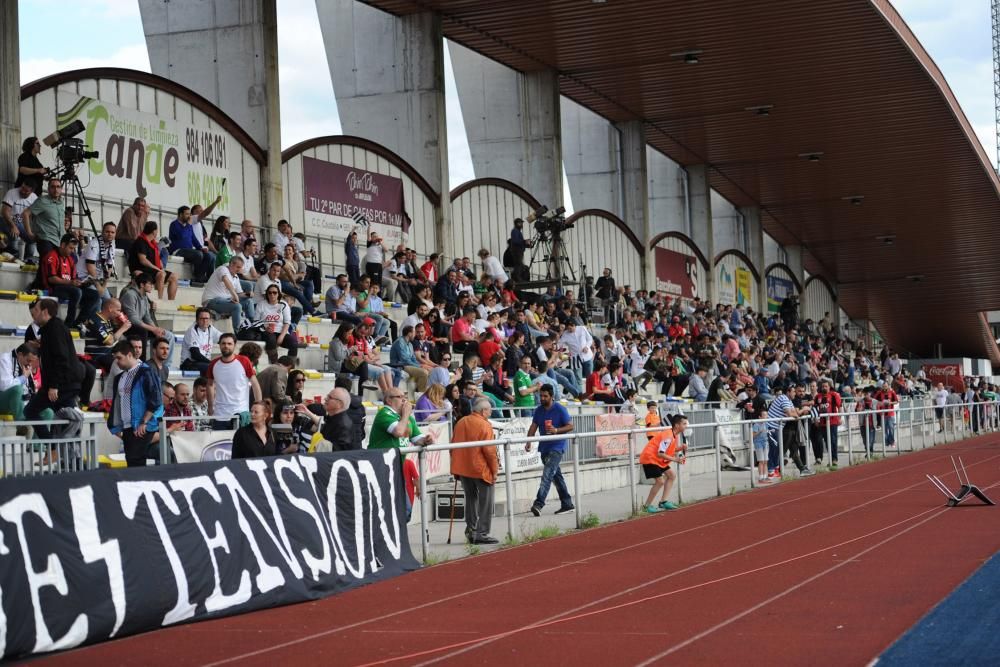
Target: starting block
966, 489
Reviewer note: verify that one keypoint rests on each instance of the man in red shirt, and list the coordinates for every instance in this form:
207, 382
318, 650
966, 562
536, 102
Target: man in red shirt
828, 403
430, 269
886, 398
59, 278
463, 335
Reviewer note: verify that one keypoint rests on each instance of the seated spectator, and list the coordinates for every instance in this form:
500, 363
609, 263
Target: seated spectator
385, 327
274, 315
223, 294
274, 379
145, 256
596, 388
341, 301
463, 335
59, 278
96, 264
253, 352
108, 326
423, 349
432, 406
356, 411
247, 232
218, 240
231, 245
180, 406
17, 379
184, 243
130, 225
295, 386
199, 341
342, 358
15, 202
249, 255
401, 356
293, 280
442, 374
383, 376
493, 267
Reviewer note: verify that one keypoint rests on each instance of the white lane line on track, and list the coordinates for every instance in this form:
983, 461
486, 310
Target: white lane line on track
507, 582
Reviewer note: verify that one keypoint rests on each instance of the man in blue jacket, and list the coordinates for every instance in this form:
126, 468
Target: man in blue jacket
137, 405
184, 242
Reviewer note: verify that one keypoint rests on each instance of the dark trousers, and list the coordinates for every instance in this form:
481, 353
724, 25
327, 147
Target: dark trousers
353, 274
87, 385
374, 271
478, 507
202, 262
138, 449
43, 247
40, 401
290, 343
81, 303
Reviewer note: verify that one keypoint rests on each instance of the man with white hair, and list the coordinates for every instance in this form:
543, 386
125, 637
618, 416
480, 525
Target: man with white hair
476, 468
336, 425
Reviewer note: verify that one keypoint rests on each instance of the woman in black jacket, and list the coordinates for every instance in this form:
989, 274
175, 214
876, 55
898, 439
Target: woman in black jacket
255, 439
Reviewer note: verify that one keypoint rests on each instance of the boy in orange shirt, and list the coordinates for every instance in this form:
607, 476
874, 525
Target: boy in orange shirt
660, 452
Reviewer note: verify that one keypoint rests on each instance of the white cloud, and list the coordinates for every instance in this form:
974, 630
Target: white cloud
132, 56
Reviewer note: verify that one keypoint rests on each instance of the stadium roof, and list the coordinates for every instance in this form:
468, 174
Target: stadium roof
843, 78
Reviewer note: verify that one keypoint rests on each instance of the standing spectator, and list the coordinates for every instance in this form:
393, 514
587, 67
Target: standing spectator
356, 409
940, 395
231, 379
476, 468
401, 356
160, 358
44, 221
137, 307
198, 216
275, 315
59, 278
199, 404
580, 345
524, 386
273, 380
552, 419
131, 224
656, 457
394, 425
492, 267
17, 379
136, 406
184, 242
15, 202
29, 167
829, 403
754, 407
180, 407
199, 341
223, 294
517, 245
255, 439
375, 257
145, 256
352, 259
886, 399
335, 425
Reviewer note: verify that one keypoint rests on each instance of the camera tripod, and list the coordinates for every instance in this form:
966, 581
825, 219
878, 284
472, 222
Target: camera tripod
72, 182
553, 254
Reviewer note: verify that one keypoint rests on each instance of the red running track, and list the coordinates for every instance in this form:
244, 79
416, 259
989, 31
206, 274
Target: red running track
827, 570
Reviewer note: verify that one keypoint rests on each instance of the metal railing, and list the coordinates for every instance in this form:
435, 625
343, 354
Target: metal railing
984, 417
21, 456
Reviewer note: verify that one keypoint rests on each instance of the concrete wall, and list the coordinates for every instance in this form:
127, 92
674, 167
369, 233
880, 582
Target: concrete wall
667, 206
10, 96
592, 158
727, 226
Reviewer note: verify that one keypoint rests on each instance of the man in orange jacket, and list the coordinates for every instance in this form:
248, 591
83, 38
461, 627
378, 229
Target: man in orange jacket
656, 458
477, 469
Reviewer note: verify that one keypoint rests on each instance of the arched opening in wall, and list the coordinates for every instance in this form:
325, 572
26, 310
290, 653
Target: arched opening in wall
679, 266
482, 216
598, 240
338, 184
780, 283
737, 280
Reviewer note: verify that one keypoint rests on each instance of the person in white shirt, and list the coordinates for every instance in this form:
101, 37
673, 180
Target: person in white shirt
580, 345
97, 264
940, 395
231, 379
493, 267
223, 296
275, 315
17, 379
15, 201
199, 341
417, 317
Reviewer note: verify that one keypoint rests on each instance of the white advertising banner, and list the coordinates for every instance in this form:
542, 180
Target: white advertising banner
200, 446
519, 459
168, 162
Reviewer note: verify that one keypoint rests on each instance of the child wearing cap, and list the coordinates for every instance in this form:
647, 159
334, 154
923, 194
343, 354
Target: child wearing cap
659, 453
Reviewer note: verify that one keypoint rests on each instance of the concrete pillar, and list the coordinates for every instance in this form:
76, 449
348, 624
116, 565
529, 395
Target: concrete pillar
634, 188
227, 52
388, 76
10, 96
667, 191
700, 196
512, 121
755, 250
795, 263
592, 157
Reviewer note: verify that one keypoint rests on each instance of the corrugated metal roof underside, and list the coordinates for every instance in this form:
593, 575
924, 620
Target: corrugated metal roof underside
845, 77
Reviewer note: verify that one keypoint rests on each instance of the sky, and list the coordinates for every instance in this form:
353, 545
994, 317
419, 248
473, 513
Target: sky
108, 33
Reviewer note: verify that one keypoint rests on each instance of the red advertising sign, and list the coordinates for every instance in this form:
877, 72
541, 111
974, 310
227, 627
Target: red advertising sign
948, 374
676, 274
613, 445
334, 193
